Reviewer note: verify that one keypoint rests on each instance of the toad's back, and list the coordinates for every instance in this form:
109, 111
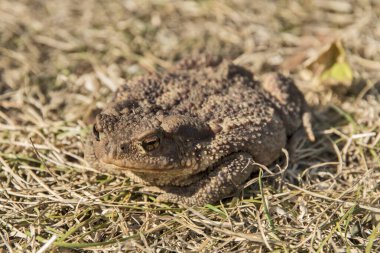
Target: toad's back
212, 90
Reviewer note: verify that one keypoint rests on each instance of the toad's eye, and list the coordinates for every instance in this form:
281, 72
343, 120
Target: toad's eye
151, 142
96, 133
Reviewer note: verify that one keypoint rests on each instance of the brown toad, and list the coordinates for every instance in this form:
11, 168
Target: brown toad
198, 131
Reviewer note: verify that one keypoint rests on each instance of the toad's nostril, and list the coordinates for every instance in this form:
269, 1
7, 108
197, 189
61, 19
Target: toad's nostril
123, 147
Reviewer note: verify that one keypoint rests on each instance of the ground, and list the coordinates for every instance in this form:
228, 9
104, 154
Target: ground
61, 60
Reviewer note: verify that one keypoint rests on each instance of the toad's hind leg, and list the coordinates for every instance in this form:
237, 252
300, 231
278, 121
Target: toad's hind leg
289, 100
224, 180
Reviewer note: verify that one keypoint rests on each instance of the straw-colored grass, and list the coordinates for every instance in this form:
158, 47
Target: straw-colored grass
60, 60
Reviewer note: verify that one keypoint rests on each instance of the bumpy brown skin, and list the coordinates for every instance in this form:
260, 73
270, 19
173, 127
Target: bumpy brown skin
195, 132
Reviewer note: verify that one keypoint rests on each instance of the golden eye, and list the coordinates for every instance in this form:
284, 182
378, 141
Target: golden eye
150, 143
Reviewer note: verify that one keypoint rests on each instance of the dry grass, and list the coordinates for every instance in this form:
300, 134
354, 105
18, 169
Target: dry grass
59, 60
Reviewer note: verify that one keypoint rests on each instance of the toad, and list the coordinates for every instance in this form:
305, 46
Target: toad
196, 132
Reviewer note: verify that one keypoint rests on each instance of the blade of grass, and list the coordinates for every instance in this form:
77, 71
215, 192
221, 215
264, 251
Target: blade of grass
373, 236
266, 211
215, 209
87, 245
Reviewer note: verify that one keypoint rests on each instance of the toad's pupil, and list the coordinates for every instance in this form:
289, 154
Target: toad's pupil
151, 143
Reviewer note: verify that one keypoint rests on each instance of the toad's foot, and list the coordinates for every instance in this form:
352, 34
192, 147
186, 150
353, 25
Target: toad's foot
222, 181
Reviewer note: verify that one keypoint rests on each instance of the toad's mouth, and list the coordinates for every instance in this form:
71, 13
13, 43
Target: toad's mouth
145, 167
193, 167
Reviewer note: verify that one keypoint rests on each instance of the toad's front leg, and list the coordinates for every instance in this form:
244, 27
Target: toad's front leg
225, 179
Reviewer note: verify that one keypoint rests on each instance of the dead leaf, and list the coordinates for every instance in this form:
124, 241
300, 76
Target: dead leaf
331, 65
